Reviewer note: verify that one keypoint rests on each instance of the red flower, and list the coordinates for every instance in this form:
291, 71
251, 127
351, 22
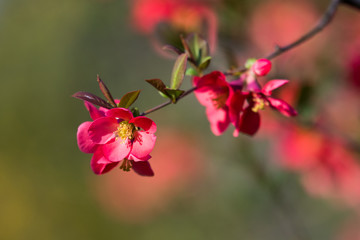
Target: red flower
257, 98
115, 136
215, 93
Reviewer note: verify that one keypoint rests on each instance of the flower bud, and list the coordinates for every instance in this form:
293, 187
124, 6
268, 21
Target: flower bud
261, 67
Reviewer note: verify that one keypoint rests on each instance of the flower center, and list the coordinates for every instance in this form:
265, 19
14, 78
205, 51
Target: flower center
259, 104
125, 131
219, 99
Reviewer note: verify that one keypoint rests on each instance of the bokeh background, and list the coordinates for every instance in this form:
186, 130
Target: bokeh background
275, 185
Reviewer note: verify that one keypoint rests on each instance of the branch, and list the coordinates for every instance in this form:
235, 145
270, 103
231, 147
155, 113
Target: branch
353, 3
324, 21
167, 103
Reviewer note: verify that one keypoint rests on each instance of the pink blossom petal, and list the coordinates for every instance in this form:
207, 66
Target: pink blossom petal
99, 164
84, 141
261, 67
205, 96
94, 112
142, 168
117, 151
143, 144
121, 113
145, 123
102, 130
249, 122
283, 107
273, 84
219, 119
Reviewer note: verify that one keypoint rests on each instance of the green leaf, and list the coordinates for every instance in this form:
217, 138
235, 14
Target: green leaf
174, 94
205, 62
128, 99
157, 83
178, 71
198, 47
250, 62
91, 98
191, 72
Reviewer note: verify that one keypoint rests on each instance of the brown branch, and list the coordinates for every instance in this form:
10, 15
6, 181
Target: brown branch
324, 21
167, 103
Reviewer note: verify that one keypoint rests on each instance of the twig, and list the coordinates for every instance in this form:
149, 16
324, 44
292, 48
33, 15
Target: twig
167, 103
324, 21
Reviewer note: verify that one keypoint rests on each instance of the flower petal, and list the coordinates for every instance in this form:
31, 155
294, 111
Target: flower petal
249, 122
102, 129
142, 168
99, 164
273, 84
121, 113
145, 123
117, 150
143, 144
235, 103
84, 141
283, 107
94, 112
212, 88
219, 119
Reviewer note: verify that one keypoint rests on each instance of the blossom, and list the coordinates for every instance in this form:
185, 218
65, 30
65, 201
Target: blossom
115, 136
326, 166
257, 98
183, 16
261, 67
215, 93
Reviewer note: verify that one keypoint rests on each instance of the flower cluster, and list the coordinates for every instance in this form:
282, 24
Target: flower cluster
115, 137
238, 102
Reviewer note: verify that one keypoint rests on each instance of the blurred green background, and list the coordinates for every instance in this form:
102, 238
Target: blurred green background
52, 49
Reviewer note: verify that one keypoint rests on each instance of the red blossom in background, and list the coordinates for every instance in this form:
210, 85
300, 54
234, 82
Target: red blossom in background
182, 15
115, 136
327, 168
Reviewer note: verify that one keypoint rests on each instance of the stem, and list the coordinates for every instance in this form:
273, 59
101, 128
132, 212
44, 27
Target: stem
324, 21
167, 103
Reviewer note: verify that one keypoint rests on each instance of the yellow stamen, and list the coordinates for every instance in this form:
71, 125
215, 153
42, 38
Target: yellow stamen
259, 104
125, 131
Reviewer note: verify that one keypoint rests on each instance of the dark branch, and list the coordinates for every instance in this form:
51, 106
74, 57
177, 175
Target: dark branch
353, 3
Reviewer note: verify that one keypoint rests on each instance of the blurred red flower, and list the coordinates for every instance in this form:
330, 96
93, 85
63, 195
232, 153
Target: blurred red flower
327, 168
183, 15
279, 22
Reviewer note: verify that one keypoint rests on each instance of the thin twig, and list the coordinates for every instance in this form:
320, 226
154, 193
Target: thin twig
324, 21
167, 103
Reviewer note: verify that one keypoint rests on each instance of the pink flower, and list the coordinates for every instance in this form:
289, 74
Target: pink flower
257, 98
261, 67
214, 92
115, 136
